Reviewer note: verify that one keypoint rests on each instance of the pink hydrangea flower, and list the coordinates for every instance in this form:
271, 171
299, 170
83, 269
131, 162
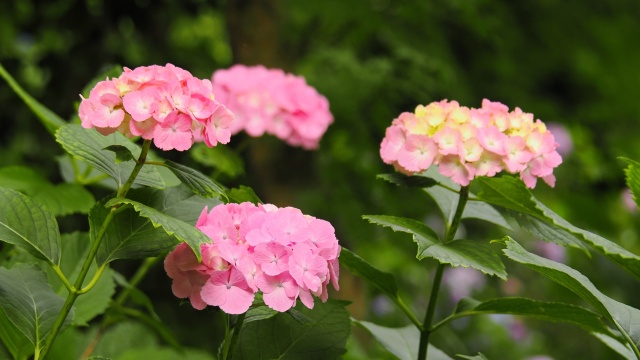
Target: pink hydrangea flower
279, 251
466, 143
273, 102
163, 103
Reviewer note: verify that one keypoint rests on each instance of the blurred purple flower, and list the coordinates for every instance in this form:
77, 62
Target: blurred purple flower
628, 202
562, 137
462, 282
551, 251
381, 305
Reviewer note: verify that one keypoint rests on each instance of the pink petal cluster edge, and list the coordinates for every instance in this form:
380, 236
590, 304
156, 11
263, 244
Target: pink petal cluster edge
163, 103
467, 142
273, 102
279, 251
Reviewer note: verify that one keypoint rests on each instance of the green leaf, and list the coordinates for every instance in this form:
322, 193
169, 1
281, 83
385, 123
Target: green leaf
49, 119
173, 226
25, 223
383, 281
122, 153
512, 194
15, 341
548, 311
465, 253
259, 313
29, 302
480, 356
220, 157
447, 202
131, 236
63, 199
195, 180
242, 194
408, 181
75, 248
632, 176
616, 346
87, 146
401, 342
164, 353
627, 318
122, 337
282, 337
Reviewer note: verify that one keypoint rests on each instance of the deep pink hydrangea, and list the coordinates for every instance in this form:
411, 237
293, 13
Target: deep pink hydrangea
466, 142
273, 102
279, 251
163, 103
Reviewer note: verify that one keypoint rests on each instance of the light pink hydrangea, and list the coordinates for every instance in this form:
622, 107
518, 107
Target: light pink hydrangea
279, 251
273, 102
465, 142
163, 103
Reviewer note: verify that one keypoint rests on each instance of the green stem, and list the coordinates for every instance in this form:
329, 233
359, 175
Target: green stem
236, 333
60, 274
136, 278
426, 331
77, 290
409, 314
628, 339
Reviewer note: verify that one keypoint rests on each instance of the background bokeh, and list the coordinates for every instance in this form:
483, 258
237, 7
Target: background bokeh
573, 64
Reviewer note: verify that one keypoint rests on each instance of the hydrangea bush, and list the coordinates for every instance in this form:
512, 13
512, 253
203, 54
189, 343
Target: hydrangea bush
229, 254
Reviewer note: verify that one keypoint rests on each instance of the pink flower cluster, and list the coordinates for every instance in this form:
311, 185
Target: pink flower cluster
271, 101
468, 142
163, 103
279, 251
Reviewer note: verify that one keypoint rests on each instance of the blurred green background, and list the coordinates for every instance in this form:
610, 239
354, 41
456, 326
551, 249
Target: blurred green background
575, 64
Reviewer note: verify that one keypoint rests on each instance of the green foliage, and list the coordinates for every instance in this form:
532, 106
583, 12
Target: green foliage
15, 341
61, 199
511, 193
625, 317
122, 153
281, 336
195, 180
172, 226
49, 119
632, 173
29, 302
475, 254
87, 146
25, 223
401, 342
220, 157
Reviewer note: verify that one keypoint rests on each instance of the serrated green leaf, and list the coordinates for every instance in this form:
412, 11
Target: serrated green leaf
63, 199
282, 337
383, 281
15, 341
195, 180
401, 342
512, 194
408, 181
242, 194
465, 253
122, 153
48, 118
626, 316
220, 157
632, 176
29, 302
548, 311
133, 237
75, 248
549, 232
259, 313
25, 223
447, 202
87, 146
173, 226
